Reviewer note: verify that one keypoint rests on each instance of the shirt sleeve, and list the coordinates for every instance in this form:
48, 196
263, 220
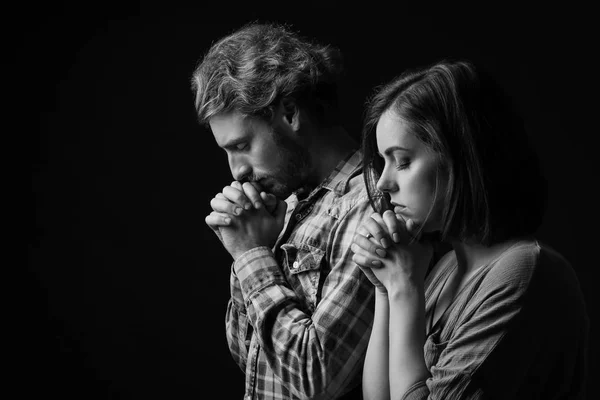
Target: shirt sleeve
236, 323
314, 355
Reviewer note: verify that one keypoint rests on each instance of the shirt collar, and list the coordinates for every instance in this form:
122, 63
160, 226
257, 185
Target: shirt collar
339, 178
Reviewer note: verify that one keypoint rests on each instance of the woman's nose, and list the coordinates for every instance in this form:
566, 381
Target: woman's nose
386, 184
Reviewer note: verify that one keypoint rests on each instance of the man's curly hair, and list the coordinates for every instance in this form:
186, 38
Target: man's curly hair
250, 70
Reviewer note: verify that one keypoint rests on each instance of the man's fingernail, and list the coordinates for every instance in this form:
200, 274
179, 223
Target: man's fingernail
227, 221
381, 252
376, 262
257, 205
384, 243
247, 206
396, 237
238, 210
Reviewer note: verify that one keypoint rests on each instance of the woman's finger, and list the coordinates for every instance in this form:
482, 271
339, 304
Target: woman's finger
413, 229
368, 271
363, 259
377, 228
369, 246
395, 230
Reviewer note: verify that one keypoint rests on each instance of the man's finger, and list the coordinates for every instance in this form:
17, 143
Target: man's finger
269, 200
222, 205
215, 219
252, 194
237, 185
280, 211
237, 196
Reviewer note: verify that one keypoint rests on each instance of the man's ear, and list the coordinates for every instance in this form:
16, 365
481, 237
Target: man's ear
290, 113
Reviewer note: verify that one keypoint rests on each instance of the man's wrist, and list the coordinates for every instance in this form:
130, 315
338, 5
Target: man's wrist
240, 252
256, 269
243, 256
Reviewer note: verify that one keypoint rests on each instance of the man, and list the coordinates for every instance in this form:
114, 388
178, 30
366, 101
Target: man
300, 313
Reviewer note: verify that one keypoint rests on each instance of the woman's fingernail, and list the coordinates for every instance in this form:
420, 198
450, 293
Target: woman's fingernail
238, 210
247, 206
381, 252
376, 262
257, 205
227, 221
384, 243
396, 237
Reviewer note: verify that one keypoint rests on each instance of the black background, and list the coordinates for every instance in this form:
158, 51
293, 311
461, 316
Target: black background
126, 289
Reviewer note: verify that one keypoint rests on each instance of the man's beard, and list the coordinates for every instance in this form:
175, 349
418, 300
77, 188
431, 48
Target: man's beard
294, 167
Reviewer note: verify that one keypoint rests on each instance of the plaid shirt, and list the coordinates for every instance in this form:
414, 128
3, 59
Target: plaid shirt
300, 314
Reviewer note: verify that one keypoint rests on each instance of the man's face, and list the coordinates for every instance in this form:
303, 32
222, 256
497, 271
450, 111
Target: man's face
257, 151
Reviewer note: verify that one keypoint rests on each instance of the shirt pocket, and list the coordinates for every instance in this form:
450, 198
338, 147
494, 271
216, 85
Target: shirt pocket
303, 269
433, 348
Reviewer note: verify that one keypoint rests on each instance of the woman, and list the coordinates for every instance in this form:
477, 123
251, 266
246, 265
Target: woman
500, 315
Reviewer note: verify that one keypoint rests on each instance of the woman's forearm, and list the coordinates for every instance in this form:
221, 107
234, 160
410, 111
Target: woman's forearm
376, 383
406, 340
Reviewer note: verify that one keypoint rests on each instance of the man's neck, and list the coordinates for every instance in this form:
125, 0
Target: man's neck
328, 150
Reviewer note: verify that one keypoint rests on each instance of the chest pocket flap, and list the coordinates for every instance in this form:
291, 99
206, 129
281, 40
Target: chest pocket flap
303, 269
302, 258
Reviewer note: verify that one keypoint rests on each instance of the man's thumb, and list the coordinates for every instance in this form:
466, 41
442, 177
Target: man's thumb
270, 201
280, 211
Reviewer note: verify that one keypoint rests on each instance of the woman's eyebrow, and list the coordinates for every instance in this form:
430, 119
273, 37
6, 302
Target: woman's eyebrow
391, 149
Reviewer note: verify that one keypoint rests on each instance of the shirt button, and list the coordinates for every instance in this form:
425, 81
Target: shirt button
295, 265
298, 216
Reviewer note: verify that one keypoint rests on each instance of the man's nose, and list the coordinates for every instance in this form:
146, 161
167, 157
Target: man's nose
239, 170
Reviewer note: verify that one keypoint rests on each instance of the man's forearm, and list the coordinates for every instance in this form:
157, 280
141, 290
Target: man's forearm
236, 329
312, 353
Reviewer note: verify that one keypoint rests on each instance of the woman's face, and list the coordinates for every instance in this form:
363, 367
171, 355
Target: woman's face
410, 173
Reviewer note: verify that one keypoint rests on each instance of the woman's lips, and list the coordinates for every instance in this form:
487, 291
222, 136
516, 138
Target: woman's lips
398, 206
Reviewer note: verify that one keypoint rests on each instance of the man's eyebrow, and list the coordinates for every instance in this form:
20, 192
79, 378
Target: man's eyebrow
392, 149
234, 142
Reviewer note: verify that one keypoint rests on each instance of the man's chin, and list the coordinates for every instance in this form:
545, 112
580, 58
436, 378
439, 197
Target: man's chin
281, 192
276, 188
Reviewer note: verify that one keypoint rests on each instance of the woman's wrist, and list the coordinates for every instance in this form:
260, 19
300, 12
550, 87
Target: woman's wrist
402, 291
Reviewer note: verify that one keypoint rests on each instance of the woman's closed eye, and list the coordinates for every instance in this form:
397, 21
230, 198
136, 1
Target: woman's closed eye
402, 164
